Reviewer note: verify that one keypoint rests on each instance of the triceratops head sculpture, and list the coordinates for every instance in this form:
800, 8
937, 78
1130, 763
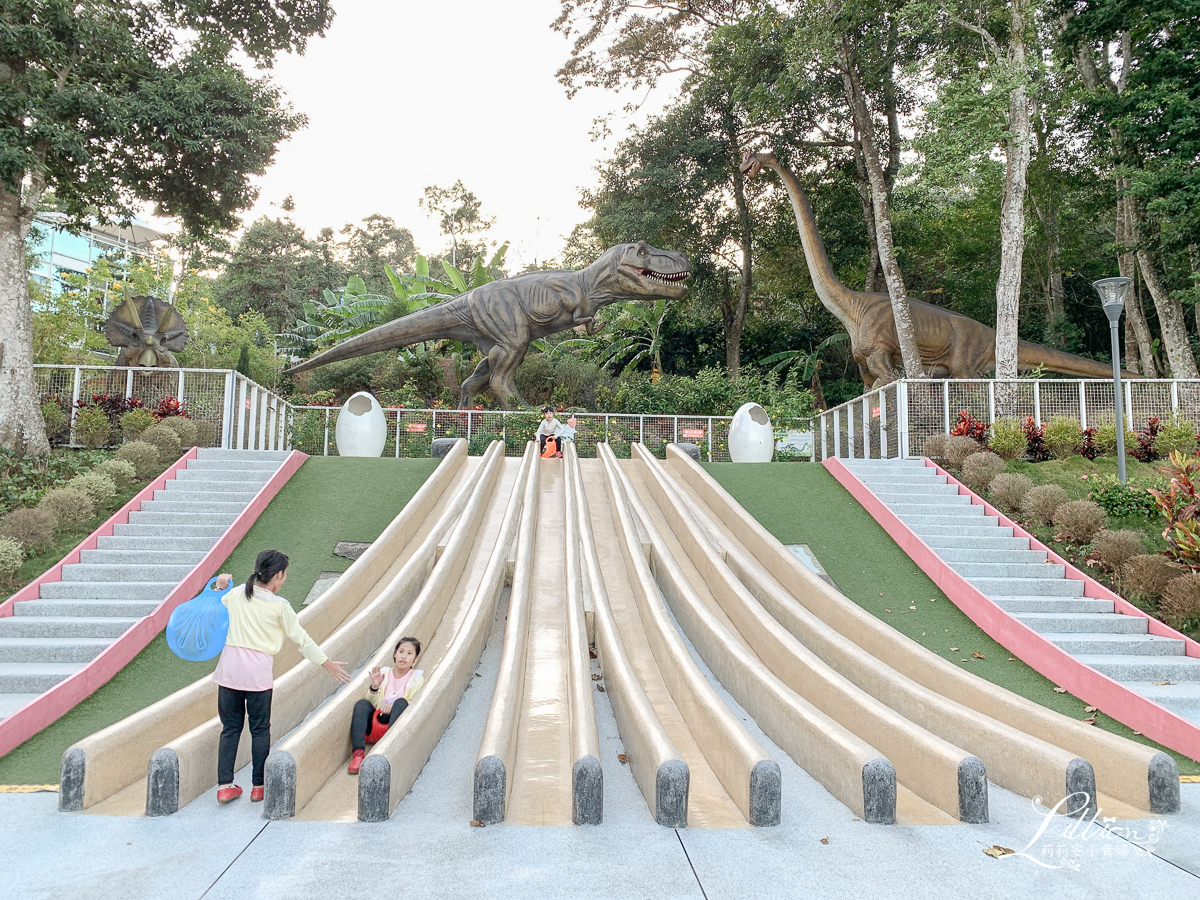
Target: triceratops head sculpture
146, 329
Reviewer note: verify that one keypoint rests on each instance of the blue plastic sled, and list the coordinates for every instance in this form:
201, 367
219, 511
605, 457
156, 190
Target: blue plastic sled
197, 629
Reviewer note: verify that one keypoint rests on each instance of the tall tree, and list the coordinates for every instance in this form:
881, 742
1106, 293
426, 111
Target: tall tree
458, 213
124, 101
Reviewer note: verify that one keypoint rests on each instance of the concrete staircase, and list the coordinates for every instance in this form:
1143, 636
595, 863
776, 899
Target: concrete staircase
128, 575
1022, 582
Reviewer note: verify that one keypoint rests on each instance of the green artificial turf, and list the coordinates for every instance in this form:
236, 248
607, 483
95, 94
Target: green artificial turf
804, 504
329, 499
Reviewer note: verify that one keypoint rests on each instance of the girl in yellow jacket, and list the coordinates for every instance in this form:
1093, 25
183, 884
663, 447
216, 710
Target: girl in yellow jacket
258, 623
387, 697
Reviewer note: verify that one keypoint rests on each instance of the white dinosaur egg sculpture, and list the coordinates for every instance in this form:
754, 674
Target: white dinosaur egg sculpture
751, 437
361, 427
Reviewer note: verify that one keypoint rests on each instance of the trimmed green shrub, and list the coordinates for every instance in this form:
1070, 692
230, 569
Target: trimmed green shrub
1078, 521
979, 469
185, 428
206, 433
33, 529
1106, 440
12, 554
134, 422
121, 471
1042, 502
100, 487
165, 441
1008, 440
1121, 499
1115, 548
1063, 437
93, 428
1008, 489
55, 418
71, 507
1178, 435
936, 447
1180, 603
144, 458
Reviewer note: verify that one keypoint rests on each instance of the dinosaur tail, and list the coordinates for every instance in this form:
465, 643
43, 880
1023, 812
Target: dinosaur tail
1031, 355
431, 323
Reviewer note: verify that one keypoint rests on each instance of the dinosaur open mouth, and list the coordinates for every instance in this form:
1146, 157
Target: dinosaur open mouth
665, 277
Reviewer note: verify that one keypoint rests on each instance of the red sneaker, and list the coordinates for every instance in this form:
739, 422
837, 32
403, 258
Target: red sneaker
256, 794
356, 761
226, 794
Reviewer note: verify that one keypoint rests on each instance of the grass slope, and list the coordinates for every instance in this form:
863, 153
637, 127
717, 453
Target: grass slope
804, 504
329, 499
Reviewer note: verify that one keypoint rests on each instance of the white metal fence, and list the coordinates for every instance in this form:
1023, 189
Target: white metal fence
236, 412
895, 420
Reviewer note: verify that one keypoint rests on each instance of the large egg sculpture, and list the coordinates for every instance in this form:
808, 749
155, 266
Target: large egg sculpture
751, 437
361, 427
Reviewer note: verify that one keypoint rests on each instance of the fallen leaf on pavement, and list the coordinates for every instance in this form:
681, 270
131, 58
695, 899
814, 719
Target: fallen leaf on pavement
824, 840
600, 688
475, 823
978, 655
996, 851
597, 677
622, 758
591, 653
1161, 683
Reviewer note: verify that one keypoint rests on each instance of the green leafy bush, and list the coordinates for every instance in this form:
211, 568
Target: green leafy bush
1041, 503
71, 507
12, 554
1008, 439
1106, 440
165, 441
97, 485
55, 419
93, 428
33, 529
184, 427
480, 441
1121, 499
143, 456
134, 422
1078, 521
979, 469
1063, 437
1008, 489
1176, 436
121, 471
23, 479
1115, 548
206, 433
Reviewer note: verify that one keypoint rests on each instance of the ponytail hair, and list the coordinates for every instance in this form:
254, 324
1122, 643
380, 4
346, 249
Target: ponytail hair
269, 564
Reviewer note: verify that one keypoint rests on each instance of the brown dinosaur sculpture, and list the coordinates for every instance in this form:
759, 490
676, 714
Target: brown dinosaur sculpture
951, 345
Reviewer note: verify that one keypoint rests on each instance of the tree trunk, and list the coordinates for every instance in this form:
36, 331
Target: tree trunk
735, 321
21, 427
871, 282
1170, 312
1194, 260
1012, 207
905, 333
1135, 314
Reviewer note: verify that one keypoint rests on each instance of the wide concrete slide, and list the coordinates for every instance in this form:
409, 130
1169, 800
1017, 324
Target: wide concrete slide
306, 774
106, 772
1027, 748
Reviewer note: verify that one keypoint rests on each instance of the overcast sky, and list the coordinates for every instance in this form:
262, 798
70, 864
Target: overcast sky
402, 94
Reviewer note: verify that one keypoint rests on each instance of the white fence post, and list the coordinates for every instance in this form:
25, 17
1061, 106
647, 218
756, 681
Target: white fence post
1037, 403
74, 405
883, 425
228, 418
902, 418
243, 409
945, 407
1082, 405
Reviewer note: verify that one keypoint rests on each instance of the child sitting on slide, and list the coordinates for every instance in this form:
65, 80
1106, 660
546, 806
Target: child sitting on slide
387, 697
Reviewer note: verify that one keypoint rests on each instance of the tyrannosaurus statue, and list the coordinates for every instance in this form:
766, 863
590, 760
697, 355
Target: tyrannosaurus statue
951, 345
501, 318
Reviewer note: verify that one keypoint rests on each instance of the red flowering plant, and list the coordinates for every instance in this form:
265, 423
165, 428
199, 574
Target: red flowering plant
968, 426
169, 406
1146, 438
1180, 507
1035, 440
114, 405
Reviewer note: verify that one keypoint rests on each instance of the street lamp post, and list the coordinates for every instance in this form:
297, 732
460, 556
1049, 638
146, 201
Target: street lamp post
1112, 297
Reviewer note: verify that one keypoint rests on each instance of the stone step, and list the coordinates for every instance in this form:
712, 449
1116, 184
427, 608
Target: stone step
947, 536
193, 507
241, 498
1178, 697
134, 529
1117, 644
922, 496
1084, 623
946, 510
922, 522
22, 678
18, 626
10, 703
1028, 587
107, 590
1144, 668
142, 557
85, 607
51, 650
985, 556
1056, 605
212, 486
223, 520
151, 544
909, 484
126, 573
1034, 570
881, 464
216, 454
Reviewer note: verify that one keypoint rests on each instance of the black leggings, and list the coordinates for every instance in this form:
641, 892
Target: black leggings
233, 707
360, 722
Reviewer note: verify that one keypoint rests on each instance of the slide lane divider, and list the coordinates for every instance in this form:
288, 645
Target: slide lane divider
657, 765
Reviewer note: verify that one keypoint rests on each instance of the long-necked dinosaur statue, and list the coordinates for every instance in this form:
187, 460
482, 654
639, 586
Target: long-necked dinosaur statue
951, 345
502, 318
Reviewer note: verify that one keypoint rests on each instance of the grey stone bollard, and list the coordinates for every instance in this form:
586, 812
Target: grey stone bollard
374, 789
879, 792
766, 793
671, 794
587, 789
972, 791
70, 780
279, 786
692, 450
1164, 785
441, 446
162, 783
1081, 780
490, 790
